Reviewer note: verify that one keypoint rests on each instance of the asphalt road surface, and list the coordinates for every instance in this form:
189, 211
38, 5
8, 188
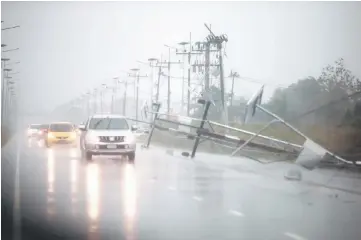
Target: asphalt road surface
53, 194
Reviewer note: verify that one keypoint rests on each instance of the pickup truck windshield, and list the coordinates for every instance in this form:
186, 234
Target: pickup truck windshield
108, 124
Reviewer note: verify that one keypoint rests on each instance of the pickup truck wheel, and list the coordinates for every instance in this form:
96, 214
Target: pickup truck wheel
131, 157
88, 156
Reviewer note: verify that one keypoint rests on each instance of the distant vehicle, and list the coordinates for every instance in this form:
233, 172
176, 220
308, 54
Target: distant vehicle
61, 133
43, 131
108, 135
33, 130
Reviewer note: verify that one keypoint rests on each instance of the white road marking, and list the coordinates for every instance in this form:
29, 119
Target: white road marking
294, 236
236, 213
16, 207
199, 199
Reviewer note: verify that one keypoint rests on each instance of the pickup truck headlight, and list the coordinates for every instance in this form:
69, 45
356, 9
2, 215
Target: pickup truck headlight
129, 138
90, 138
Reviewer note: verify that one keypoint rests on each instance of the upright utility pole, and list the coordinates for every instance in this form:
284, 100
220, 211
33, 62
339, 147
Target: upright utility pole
95, 101
136, 87
103, 87
125, 97
218, 41
207, 63
158, 83
168, 64
189, 53
233, 75
114, 94
168, 98
152, 63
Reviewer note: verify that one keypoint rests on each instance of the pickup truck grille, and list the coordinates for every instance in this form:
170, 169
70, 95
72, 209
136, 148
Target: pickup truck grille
112, 139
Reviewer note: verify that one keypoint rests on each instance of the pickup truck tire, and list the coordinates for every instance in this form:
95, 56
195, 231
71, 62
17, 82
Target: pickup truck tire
131, 157
86, 155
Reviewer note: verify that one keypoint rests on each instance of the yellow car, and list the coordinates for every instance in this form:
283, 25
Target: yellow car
61, 133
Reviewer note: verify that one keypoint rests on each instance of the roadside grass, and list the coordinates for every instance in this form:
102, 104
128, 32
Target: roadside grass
335, 139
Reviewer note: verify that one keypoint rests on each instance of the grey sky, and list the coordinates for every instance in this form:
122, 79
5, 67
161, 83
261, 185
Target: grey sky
71, 47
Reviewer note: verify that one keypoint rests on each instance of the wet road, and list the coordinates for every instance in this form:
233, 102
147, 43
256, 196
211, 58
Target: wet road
58, 196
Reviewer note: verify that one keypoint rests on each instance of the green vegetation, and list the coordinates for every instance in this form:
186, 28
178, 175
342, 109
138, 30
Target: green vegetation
326, 108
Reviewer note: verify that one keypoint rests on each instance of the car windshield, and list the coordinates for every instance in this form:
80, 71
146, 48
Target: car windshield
35, 126
108, 123
61, 127
44, 126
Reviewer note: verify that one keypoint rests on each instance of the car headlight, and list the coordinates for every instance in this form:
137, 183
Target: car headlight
129, 138
73, 135
50, 135
91, 138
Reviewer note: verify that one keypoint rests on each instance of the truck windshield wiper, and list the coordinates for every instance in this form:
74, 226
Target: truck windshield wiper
99, 121
110, 120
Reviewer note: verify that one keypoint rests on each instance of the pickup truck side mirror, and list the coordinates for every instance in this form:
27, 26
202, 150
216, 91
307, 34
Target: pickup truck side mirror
81, 127
134, 128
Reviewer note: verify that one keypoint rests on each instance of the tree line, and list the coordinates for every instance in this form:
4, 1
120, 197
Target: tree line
330, 99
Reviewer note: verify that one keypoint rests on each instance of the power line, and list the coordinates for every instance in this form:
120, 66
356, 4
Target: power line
325, 105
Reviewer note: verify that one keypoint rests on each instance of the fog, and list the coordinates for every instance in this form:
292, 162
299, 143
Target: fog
68, 48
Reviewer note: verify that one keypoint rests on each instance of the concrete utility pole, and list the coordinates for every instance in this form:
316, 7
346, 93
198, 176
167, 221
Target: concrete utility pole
115, 80
125, 97
158, 83
152, 64
218, 41
207, 63
189, 53
103, 87
183, 74
136, 87
233, 75
87, 98
169, 87
95, 91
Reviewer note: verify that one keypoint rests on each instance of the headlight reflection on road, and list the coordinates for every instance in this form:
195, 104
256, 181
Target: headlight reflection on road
74, 176
73, 153
130, 199
93, 191
51, 169
51, 180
